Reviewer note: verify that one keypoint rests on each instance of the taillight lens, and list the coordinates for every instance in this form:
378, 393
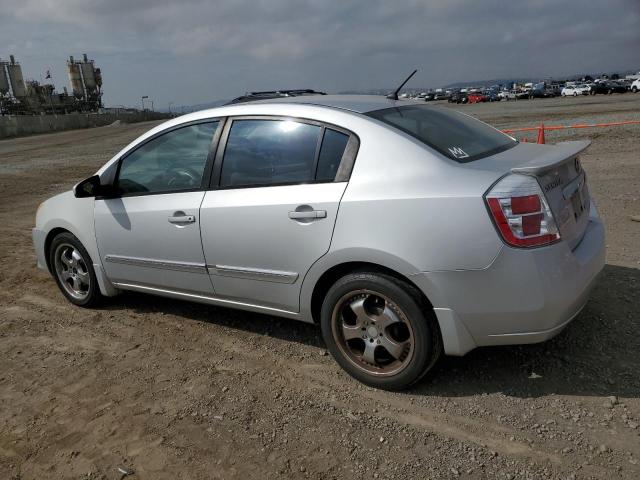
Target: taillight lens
521, 213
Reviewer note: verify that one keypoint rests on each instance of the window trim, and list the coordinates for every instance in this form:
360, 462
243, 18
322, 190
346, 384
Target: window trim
208, 166
343, 173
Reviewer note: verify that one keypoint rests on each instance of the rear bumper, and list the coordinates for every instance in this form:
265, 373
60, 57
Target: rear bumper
39, 237
524, 296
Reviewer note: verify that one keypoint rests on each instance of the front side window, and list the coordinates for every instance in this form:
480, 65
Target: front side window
455, 135
174, 161
269, 152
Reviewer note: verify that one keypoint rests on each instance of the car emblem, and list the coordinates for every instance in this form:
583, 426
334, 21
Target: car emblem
576, 164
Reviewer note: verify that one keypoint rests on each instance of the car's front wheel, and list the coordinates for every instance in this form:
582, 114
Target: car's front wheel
73, 270
379, 330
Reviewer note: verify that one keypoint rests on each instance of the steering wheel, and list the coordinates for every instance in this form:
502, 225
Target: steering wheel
183, 177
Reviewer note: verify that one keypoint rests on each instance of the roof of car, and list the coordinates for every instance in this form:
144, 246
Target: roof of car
354, 103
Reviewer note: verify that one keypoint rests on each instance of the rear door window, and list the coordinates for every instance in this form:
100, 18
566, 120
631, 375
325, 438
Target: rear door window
455, 135
269, 152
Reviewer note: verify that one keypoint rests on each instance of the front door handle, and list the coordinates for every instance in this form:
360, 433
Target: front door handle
307, 215
182, 219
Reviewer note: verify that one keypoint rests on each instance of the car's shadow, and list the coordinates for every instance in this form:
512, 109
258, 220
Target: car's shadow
598, 354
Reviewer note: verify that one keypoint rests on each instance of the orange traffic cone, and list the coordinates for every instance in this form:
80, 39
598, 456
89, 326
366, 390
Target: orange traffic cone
541, 133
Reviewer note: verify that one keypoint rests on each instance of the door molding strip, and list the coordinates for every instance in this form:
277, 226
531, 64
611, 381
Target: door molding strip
276, 276
162, 264
210, 299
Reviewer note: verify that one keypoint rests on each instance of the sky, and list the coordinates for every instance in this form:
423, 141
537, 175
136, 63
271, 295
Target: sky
197, 51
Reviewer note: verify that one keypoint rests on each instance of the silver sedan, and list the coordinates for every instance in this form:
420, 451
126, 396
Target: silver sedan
403, 230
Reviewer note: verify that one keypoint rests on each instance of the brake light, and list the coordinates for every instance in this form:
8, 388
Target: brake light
521, 213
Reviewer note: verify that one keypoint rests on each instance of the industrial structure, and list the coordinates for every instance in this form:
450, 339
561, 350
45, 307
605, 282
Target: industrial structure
30, 97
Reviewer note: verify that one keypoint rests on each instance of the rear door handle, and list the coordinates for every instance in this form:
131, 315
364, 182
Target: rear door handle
295, 215
182, 219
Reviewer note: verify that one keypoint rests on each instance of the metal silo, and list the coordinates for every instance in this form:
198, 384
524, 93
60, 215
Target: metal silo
4, 80
98, 75
75, 79
16, 79
89, 77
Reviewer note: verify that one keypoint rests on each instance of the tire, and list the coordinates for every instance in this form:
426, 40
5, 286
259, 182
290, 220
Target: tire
395, 339
72, 269
634, 89
575, 94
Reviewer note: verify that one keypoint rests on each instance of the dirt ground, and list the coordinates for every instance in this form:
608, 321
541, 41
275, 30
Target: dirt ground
173, 390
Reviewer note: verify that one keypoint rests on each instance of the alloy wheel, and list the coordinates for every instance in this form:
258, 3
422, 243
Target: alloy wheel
71, 269
373, 332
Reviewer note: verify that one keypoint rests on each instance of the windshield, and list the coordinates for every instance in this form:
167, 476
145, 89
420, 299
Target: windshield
455, 135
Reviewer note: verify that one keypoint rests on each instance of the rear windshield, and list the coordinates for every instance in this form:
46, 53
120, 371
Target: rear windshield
459, 137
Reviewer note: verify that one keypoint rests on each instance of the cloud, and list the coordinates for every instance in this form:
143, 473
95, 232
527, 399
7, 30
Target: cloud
196, 50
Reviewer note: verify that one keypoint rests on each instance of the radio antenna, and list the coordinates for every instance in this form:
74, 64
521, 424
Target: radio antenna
394, 95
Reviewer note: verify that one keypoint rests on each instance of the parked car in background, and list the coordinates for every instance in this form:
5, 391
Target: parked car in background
575, 90
607, 87
626, 83
508, 95
635, 86
458, 97
557, 89
492, 95
477, 97
343, 211
540, 90
440, 96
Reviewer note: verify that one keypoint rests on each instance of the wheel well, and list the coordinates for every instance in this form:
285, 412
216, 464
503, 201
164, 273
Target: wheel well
47, 243
336, 272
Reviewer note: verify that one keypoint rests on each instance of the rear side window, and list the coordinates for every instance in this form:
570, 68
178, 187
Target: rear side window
459, 137
269, 152
333, 145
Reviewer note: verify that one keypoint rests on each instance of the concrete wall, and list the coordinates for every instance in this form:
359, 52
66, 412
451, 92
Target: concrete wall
20, 125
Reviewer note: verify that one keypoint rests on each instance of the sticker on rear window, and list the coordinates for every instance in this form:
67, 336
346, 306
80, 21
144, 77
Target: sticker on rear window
458, 152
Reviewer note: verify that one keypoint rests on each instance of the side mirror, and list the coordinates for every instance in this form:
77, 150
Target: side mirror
89, 187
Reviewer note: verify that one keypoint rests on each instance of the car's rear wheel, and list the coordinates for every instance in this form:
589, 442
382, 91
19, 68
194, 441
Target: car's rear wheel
73, 270
379, 331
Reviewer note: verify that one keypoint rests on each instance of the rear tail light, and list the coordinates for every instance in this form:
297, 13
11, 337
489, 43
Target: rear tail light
521, 213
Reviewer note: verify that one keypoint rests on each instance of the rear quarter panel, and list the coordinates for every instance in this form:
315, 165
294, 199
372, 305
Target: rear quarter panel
404, 200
